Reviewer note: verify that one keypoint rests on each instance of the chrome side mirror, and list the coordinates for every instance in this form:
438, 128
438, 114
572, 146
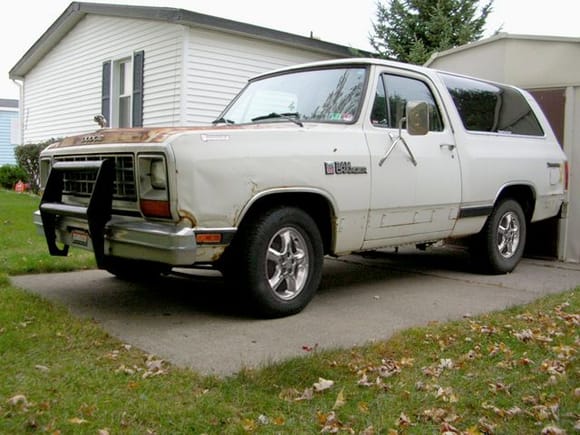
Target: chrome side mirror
417, 118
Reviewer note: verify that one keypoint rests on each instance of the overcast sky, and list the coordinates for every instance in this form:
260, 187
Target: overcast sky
22, 22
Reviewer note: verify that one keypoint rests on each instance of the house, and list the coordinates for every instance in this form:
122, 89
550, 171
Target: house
145, 66
9, 131
549, 68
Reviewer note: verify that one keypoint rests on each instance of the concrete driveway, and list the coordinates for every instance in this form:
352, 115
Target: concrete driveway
194, 321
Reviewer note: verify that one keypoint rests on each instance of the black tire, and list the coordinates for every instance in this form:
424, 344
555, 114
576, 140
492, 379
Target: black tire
277, 260
134, 270
500, 245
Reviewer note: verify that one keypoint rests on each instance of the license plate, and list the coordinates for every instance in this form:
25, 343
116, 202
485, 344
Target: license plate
80, 237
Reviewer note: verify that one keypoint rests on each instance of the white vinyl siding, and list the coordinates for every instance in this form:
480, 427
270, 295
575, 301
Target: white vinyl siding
8, 123
190, 73
219, 65
62, 94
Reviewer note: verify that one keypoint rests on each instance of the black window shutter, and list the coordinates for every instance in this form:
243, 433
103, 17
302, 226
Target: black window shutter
138, 63
106, 92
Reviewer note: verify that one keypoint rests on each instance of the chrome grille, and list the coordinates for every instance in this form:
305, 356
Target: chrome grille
81, 183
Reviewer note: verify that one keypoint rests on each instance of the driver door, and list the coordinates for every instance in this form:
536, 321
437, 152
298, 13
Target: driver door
411, 201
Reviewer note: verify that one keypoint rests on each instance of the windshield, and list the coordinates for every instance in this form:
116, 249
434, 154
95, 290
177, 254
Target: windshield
326, 95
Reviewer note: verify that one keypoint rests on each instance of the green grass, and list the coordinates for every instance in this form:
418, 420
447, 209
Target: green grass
22, 250
513, 372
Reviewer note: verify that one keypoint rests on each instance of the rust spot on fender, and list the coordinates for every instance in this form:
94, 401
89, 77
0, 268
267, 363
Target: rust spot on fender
185, 216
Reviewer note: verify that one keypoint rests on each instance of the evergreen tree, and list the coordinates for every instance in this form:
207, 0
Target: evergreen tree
411, 30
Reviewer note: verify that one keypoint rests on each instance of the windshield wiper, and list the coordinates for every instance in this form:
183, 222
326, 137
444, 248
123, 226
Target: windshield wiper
222, 120
290, 116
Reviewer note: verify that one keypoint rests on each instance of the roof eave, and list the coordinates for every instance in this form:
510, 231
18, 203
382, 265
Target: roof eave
76, 11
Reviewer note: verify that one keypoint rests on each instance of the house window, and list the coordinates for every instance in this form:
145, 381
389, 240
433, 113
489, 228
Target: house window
122, 91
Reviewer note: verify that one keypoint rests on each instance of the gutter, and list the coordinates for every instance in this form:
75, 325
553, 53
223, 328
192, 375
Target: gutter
20, 85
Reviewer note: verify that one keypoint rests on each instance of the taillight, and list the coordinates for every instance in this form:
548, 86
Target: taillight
566, 175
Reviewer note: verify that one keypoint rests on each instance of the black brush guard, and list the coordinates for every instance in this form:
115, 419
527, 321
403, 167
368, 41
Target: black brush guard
97, 213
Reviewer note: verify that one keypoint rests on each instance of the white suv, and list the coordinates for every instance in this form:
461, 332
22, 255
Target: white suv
327, 158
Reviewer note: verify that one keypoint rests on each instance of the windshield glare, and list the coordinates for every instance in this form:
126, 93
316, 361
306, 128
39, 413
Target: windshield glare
327, 95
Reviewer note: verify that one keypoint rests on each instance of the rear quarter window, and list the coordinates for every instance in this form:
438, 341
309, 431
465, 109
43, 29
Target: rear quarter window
492, 108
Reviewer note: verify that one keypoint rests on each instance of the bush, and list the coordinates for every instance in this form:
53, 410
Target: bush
10, 174
28, 158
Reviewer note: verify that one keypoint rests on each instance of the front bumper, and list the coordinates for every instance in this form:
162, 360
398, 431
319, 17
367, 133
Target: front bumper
137, 239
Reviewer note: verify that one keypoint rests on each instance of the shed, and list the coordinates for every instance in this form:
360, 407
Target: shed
145, 66
9, 131
549, 68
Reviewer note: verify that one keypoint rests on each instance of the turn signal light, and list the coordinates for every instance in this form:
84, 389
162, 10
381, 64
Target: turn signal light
208, 238
158, 209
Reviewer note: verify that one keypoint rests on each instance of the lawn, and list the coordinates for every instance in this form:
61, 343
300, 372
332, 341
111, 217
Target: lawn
22, 250
510, 372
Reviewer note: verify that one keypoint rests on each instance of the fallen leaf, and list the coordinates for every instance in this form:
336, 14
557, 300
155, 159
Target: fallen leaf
486, 427
308, 394
322, 385
340, 400
446, 394
41, 368
553, 367
389, 368
249, 425
363, 407
18, 400
77, 420
279, 421
447, 429
553, 430
446, 364
331, 424
499, 387
403, 421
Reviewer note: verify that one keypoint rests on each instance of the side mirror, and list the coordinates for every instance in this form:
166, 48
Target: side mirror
417, 118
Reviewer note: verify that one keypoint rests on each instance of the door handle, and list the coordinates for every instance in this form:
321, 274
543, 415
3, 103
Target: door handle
449, 146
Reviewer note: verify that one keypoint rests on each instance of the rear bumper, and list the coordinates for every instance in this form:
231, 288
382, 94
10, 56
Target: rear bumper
137, 239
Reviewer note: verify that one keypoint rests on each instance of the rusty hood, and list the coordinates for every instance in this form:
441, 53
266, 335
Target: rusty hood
146, 135
127, 135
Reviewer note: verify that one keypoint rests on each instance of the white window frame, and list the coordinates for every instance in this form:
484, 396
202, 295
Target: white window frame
124, 64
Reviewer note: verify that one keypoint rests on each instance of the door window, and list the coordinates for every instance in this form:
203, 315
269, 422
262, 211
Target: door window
392, 95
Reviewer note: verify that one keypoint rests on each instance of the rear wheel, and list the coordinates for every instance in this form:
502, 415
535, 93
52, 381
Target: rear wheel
500, 245
278, 261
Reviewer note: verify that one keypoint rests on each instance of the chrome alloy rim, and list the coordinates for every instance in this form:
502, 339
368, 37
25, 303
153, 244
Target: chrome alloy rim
508, 235
287, 263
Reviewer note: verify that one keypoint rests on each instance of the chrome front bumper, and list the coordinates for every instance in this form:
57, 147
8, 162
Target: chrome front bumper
136, 239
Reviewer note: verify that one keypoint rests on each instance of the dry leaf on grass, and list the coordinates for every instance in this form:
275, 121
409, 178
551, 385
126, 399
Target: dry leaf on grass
322, 385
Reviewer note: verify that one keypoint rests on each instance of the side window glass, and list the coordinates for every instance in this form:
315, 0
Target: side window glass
392, 95
488, 107
379, 115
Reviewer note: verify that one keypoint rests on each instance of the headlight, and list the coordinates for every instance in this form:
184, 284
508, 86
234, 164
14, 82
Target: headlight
153, 186
158, 174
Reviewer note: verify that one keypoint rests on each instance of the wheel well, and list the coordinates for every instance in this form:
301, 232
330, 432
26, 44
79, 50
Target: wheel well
523, 194
315, 205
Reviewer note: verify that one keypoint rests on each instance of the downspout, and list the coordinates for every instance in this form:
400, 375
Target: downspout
20, 85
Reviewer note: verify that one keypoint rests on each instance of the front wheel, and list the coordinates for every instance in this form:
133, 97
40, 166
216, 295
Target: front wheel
278, 261
500, 245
